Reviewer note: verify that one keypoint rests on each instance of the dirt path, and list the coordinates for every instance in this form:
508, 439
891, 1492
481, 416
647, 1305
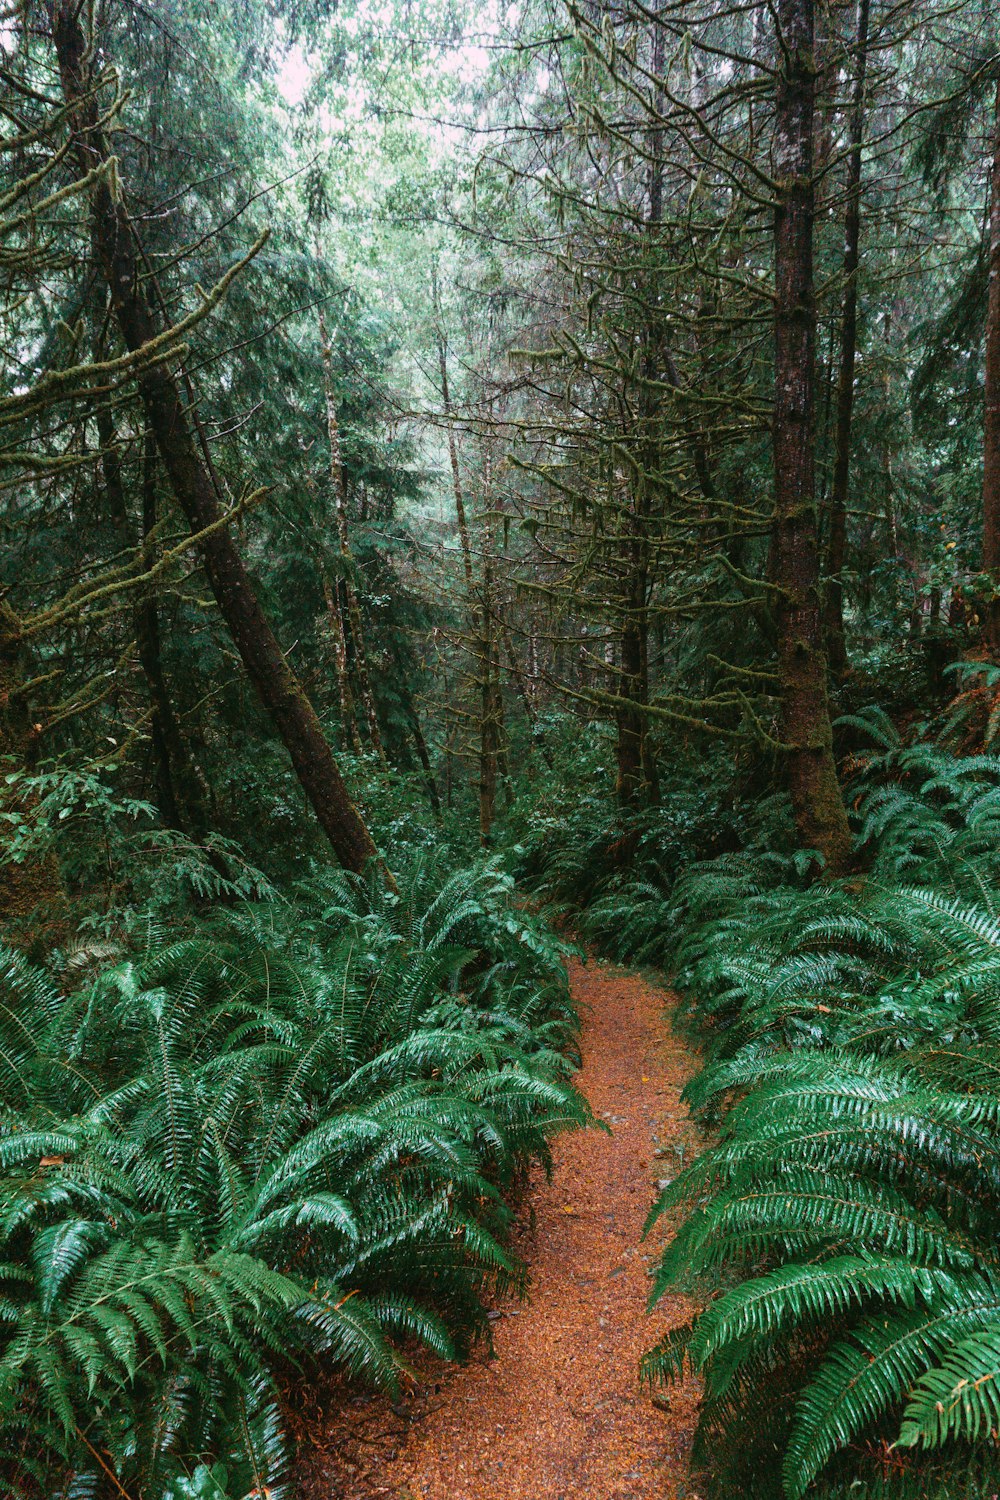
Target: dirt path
558, 1413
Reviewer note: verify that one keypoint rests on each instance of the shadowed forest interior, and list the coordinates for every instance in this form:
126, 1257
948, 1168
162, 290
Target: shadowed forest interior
483, 487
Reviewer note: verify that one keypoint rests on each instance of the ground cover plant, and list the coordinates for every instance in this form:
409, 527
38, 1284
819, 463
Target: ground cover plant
457, 459
846, 1220
280, 1140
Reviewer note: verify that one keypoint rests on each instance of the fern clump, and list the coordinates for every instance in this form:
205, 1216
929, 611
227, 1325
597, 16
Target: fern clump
283, 1140
845, 1220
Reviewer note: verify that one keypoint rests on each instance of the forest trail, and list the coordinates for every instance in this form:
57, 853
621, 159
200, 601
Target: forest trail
559, 1412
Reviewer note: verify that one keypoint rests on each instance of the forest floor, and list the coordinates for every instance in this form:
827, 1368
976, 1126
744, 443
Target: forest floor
557, 1411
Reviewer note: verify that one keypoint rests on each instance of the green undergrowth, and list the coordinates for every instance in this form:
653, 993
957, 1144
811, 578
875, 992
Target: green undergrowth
841, 1231
844, 1224
240, 1149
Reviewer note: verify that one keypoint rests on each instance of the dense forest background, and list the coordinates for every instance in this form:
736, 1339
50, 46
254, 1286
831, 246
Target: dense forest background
465, 469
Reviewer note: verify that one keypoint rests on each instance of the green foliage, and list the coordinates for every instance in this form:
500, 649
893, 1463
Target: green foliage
281, 1140
614, 870
845, 1219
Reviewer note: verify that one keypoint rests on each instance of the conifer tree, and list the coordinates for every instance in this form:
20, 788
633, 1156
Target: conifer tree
189, 471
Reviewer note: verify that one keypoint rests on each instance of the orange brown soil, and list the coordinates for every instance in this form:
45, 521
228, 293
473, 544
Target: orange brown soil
558, 1412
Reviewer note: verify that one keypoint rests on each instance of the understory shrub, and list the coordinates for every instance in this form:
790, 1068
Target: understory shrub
570, 842
282, 1140
844, 1226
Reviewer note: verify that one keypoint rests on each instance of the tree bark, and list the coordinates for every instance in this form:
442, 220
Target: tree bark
636, 780
276, 684
991, 419
456, 478
794, 559
491, 707
837, 551
480, 610
167, 744
338, 637
420, 744
164, 730
339, 488
413, 719
630, 720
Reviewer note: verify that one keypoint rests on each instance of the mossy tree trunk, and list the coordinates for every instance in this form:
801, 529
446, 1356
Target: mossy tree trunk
338, 638
489, 730
837, 550
481, 612
636, 779
347, 588
164, 731
991, 420
817, 802
192, 484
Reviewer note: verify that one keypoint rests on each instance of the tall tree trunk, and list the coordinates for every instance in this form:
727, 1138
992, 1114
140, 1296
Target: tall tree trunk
636, 779
338, 637
484, 647
636, 769
413, 719
276, 684
420, 745
449, 762
456, 478
339, 488
166, 742
816, 798
991, 421
491, 703
630, 718
837, 553
164, 731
